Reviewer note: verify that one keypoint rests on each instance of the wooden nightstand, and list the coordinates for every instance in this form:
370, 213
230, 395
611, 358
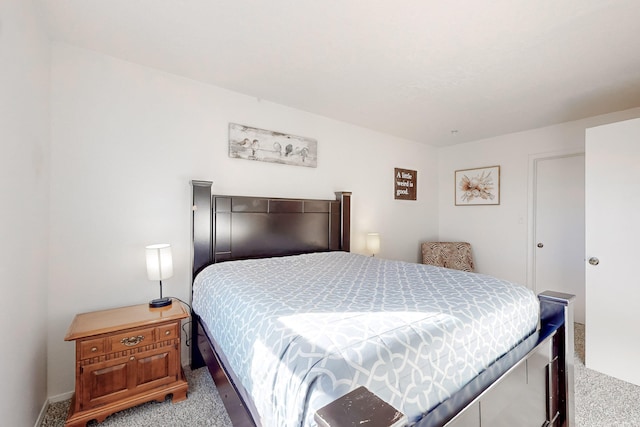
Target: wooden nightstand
124, 357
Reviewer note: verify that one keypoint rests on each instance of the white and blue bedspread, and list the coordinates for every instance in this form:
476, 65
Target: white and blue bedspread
301, 331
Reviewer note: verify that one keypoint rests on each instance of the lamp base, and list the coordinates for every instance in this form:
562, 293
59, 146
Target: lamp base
160, 302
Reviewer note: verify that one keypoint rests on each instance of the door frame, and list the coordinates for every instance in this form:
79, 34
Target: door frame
532, 206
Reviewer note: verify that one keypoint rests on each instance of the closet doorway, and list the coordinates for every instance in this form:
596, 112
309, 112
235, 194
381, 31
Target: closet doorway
559, 227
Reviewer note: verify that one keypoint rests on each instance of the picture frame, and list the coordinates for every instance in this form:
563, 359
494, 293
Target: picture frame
251, 143
478, 186
405, 184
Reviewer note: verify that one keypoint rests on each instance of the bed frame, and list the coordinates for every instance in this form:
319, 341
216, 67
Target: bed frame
534, 381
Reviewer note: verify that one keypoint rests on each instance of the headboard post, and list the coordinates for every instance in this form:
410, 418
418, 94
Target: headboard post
202, 234
345, 219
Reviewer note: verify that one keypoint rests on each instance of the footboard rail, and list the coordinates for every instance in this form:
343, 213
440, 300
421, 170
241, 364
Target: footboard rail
532, 385
557, 313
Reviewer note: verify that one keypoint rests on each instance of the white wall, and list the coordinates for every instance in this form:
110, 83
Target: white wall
24, 169
498, 234
127, 139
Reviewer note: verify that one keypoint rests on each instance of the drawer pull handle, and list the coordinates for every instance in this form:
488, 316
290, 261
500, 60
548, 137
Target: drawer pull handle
94, 349
167, 332
131, 341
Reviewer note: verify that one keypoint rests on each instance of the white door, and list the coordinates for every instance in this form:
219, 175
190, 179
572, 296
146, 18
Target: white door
612, 337
559, 228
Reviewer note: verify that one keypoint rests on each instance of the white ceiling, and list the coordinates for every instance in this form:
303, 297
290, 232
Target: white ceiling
418, 69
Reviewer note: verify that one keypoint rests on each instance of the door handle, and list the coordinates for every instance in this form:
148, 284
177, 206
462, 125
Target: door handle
539, 245
594, 261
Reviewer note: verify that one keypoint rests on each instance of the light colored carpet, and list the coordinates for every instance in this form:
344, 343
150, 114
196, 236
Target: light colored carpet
203, 407
601, 401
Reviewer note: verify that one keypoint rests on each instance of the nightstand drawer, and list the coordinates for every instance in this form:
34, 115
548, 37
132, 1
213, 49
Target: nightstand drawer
167, 332
92, 348
131, 339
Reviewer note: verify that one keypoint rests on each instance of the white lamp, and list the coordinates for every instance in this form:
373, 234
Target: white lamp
159, 267
373, 243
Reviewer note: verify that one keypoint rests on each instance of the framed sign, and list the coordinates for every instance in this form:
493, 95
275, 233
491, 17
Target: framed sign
406, 184
480, 186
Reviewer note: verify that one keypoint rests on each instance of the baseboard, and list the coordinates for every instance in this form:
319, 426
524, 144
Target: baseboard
60, 397
50, 400
43, 411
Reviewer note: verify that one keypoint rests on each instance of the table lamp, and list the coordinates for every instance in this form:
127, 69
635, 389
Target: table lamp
373, 243
159, 267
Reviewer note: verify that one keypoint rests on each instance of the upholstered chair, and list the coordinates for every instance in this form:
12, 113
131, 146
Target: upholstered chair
456, 255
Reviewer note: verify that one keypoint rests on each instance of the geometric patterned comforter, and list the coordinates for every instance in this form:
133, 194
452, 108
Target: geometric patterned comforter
301, 331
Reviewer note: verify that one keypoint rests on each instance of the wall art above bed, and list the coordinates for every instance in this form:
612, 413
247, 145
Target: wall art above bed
480, 186
268, 146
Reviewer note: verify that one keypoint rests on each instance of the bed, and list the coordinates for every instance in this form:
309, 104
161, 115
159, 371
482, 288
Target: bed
279, 351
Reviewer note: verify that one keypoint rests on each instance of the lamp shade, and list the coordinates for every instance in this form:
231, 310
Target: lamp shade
159, 262
373, 243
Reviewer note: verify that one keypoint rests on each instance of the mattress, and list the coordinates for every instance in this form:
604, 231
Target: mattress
301, 331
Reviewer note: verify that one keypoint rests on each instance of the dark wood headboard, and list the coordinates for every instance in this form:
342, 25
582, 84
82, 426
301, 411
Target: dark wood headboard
239, 227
